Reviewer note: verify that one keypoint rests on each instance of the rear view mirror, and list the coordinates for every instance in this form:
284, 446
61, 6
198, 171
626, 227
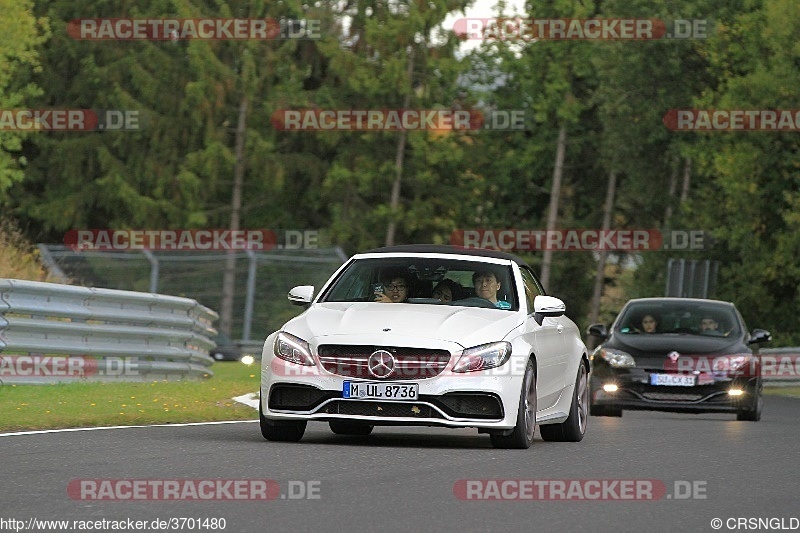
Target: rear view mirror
758, 336
301, 295
544, 306
598, 330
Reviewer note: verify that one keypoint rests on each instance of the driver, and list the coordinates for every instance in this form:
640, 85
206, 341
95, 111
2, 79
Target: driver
487, 286
709, 326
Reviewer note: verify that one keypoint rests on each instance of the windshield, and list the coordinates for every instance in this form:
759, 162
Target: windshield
426, 281
696, 318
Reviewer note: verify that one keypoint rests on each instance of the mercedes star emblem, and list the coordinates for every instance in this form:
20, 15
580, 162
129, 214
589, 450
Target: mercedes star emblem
381, 364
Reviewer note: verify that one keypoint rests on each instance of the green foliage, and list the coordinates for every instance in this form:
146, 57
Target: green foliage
177, 170
18, 258
746, 184
20, 34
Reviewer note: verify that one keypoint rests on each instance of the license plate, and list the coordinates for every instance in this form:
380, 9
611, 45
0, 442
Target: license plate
368, 390
672, 380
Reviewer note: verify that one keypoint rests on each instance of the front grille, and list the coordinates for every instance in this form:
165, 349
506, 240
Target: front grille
410, 363
672, 396
382, 409
471, 405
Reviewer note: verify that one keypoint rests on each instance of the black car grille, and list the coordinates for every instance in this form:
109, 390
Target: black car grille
289, 397
410, 363
672, 396
704, 394
471, 405
382, 409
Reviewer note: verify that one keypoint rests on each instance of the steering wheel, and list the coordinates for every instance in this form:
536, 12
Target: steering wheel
475, 301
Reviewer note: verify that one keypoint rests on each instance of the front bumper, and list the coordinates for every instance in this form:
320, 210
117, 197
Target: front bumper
473, 399
635, 393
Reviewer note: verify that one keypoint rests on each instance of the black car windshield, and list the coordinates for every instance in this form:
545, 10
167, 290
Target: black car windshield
695, 318
426, 281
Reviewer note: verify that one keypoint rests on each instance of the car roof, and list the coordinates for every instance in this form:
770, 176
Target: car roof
444, 249
677, 299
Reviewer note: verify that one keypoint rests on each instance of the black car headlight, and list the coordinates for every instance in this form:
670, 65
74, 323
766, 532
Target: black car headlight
293, 349
483, 357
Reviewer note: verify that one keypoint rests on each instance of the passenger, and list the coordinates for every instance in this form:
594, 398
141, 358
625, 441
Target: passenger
649, 324
395, 290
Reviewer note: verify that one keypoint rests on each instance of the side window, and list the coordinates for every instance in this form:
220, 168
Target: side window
532, 288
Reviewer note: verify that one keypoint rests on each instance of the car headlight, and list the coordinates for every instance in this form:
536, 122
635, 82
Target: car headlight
617, 358
733, 364
293, 349
483, 357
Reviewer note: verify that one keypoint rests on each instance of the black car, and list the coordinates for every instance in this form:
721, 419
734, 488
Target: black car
677, 354
225, 349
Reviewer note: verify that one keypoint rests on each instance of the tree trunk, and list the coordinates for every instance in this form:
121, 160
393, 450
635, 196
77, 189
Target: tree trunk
229, 275
600, 275
394, 201
555, 193
673, 185
687, 179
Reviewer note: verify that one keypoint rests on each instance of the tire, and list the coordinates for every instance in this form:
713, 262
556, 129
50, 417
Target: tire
521, 437
753, 413
347, 427
281, 430
574, 427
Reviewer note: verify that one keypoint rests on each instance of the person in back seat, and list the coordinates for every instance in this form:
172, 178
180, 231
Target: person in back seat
447, 291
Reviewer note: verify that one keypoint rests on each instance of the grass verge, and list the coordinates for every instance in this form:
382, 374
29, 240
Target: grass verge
27, 407
30, 407
794, 392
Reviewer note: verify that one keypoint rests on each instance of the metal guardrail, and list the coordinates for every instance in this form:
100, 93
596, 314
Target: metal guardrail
780, 367
262, 278
251, 347
60, 333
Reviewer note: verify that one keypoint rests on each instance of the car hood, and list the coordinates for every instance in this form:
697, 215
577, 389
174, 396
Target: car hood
365, 321
651, 350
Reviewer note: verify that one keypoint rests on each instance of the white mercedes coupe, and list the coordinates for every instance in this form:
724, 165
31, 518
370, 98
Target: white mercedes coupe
427, 335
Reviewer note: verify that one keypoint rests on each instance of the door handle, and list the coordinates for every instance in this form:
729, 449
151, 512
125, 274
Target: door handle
560, 328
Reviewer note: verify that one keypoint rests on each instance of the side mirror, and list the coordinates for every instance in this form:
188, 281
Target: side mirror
598, 330
544, 306
759, 335
301, 295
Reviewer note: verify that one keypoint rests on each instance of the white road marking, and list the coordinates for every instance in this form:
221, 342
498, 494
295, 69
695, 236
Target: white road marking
248, 399
66, 430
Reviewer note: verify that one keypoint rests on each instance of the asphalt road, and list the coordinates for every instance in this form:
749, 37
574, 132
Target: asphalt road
413, 479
